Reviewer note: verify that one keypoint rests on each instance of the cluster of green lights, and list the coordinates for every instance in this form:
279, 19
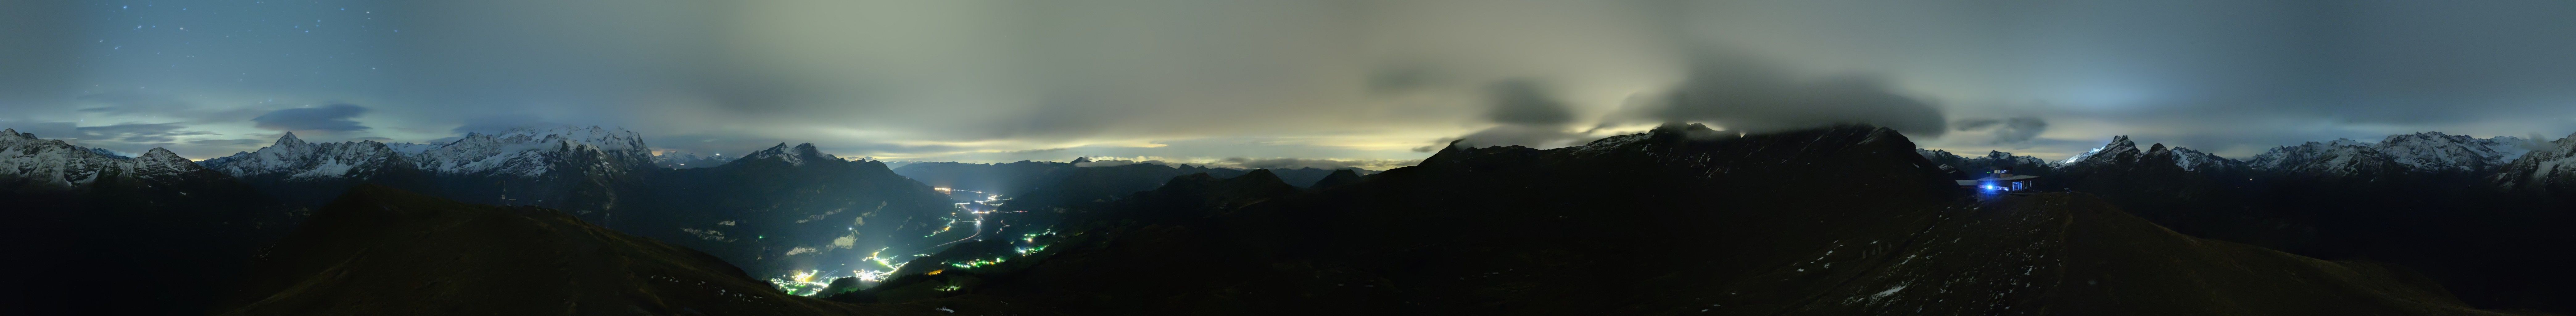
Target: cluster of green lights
1033, 237
977, 263
801, 284
873, 275
952, 224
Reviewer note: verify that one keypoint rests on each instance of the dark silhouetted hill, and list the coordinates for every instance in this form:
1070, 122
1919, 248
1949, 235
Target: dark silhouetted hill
381, 251
791, 209
1681, 220
98, 234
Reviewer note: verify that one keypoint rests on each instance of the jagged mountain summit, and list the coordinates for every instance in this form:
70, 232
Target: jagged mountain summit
29, 161
293, 158
2337, 157
2545, 169
531, 152
2123, 151
2107, 153
2194, 160
796, 156
568, 167
2427, 152
526, 152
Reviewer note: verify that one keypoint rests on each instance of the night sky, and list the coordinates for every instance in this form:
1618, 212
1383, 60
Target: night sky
1284, 83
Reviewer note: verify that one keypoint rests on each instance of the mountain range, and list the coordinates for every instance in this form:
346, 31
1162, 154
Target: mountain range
2467, 213
1680, 220
778, 212
574, 168
95, 232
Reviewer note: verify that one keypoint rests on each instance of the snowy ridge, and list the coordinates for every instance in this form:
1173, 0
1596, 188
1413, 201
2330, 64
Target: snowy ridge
793, 156
2437, 151
2418, 152
2121, 150
530, 152
294, 158
2194, 160
2340, 156
520, 152
2108, 153
23, 157
2543, 167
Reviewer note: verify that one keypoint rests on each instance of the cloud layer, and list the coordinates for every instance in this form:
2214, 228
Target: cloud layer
1740, 94
2005, 131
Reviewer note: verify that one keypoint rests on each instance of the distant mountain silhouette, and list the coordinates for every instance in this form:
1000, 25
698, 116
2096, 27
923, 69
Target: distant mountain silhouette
791, 209
1337, 178
2441, 204
1681, 220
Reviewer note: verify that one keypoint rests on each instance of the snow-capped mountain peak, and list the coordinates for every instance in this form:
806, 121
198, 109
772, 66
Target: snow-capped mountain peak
23, 157
2438, 151
2194, 160
2418, 152
2121, 150
523, 152
292, 157
162, 161
531, 152
2552, 167
2108, 152
289, 140
610, 139
2340, 156
793, 156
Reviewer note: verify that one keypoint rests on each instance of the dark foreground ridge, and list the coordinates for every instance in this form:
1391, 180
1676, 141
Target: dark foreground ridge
1682, 220
381, 251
